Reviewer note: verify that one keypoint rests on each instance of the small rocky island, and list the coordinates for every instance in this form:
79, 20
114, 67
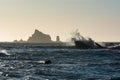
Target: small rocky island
38, 37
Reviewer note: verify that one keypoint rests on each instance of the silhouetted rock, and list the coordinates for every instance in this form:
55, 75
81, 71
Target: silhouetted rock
39, 37
15, 41
57, 39
48, 62
19, 41
84, 43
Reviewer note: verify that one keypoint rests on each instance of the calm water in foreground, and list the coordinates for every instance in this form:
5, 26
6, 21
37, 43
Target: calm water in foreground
21, 62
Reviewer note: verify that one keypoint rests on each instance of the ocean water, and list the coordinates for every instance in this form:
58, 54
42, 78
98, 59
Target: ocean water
21, 62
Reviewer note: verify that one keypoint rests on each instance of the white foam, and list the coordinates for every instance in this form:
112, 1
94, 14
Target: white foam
1, 73
4, 52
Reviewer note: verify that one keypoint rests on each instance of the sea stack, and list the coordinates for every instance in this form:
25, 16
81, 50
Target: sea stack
39, 37
57, 39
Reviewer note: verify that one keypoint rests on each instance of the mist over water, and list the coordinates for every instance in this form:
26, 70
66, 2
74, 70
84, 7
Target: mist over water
21, 62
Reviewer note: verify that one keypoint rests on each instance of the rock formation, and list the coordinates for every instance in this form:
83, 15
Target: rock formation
39, 37
19, 41
57, 38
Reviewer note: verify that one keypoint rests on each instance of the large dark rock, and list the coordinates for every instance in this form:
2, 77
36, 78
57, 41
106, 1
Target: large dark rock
39, 37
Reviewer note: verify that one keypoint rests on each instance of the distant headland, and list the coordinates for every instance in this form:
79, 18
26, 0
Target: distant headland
39, 37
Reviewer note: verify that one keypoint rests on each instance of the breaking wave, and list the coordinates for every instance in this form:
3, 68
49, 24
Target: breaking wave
5, 52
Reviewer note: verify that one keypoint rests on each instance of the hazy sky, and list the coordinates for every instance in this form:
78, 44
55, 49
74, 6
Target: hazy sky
99, 19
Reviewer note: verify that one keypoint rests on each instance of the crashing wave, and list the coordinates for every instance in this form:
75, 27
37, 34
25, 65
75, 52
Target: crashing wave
4, 53
84, 43
115, 47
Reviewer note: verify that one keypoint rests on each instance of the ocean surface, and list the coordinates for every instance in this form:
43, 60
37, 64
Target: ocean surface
22, 62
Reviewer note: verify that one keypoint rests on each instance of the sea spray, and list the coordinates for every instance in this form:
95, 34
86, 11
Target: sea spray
4, 52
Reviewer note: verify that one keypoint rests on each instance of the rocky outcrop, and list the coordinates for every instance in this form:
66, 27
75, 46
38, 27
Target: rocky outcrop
39, 37
19, 41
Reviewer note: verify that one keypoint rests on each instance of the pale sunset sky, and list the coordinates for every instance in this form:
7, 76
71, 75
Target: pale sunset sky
98, 19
